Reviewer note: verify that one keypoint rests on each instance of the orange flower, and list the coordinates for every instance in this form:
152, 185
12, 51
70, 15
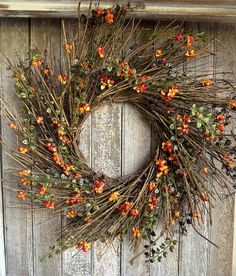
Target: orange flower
71, 214
109, 17
37, 62
189, 41
25, 181
220, 117
24, 172
196, 214
167, 146
151, 186
158, 52
232, 103
153, 200
134, 212
114, 196
177, 214
99, 11
85, 246
68, 47
42, 190
21, 195
136, 232
190, 53
172, 92
33, 90
78, 175
101, 51
49, 204
205, 170
84, 108
62, 78
206, 82
140, 88
39, 119
12, 125
175, 200
46, 71
204, 197
98, 186
23, 150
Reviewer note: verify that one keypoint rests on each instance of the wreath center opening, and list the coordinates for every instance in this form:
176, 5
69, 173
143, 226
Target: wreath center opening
116, 139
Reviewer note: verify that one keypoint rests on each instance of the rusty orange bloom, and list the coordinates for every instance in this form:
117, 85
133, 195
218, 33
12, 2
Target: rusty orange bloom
42, 190
21, 195
39, 119
190, 53
140, 88
136, 232
12, 125
159, 52
71, 214
23, 150
114, 196
84, 108
68, 47
46, 71
99, 11
206, 82
49, 204
232, 103
134, 212
98, 186
25, 181
37, 62
205, 170
189, 41
24, 172
101, 51
109, 16
177, 214
62, 78
85, 246
151, 186
196, 214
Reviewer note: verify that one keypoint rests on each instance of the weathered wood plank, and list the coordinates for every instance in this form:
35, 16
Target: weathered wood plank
106, 158
17, 221
136, 148
194, 250
222, 228
46, 34
74, 262
187, 10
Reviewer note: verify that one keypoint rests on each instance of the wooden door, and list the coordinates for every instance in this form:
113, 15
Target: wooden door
117, 140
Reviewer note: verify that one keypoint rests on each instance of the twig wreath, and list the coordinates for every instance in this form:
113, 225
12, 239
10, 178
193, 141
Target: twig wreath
188, 111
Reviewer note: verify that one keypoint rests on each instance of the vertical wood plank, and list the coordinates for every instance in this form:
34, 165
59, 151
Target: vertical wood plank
194, 250
169, 265
17, 221
106, 158
46, 34
223, 218
74, 262
136, 149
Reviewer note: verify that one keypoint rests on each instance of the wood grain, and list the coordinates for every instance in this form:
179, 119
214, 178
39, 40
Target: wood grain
136, 147
17, 221
46, 34
222, 228
106, 158
187, 10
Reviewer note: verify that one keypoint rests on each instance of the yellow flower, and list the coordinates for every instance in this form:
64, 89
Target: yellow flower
114, 196
190, 53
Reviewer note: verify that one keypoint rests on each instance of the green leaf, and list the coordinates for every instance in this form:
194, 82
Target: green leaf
199, 124
172, 126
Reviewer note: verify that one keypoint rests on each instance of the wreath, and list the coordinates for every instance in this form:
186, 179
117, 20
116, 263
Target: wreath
187, 109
